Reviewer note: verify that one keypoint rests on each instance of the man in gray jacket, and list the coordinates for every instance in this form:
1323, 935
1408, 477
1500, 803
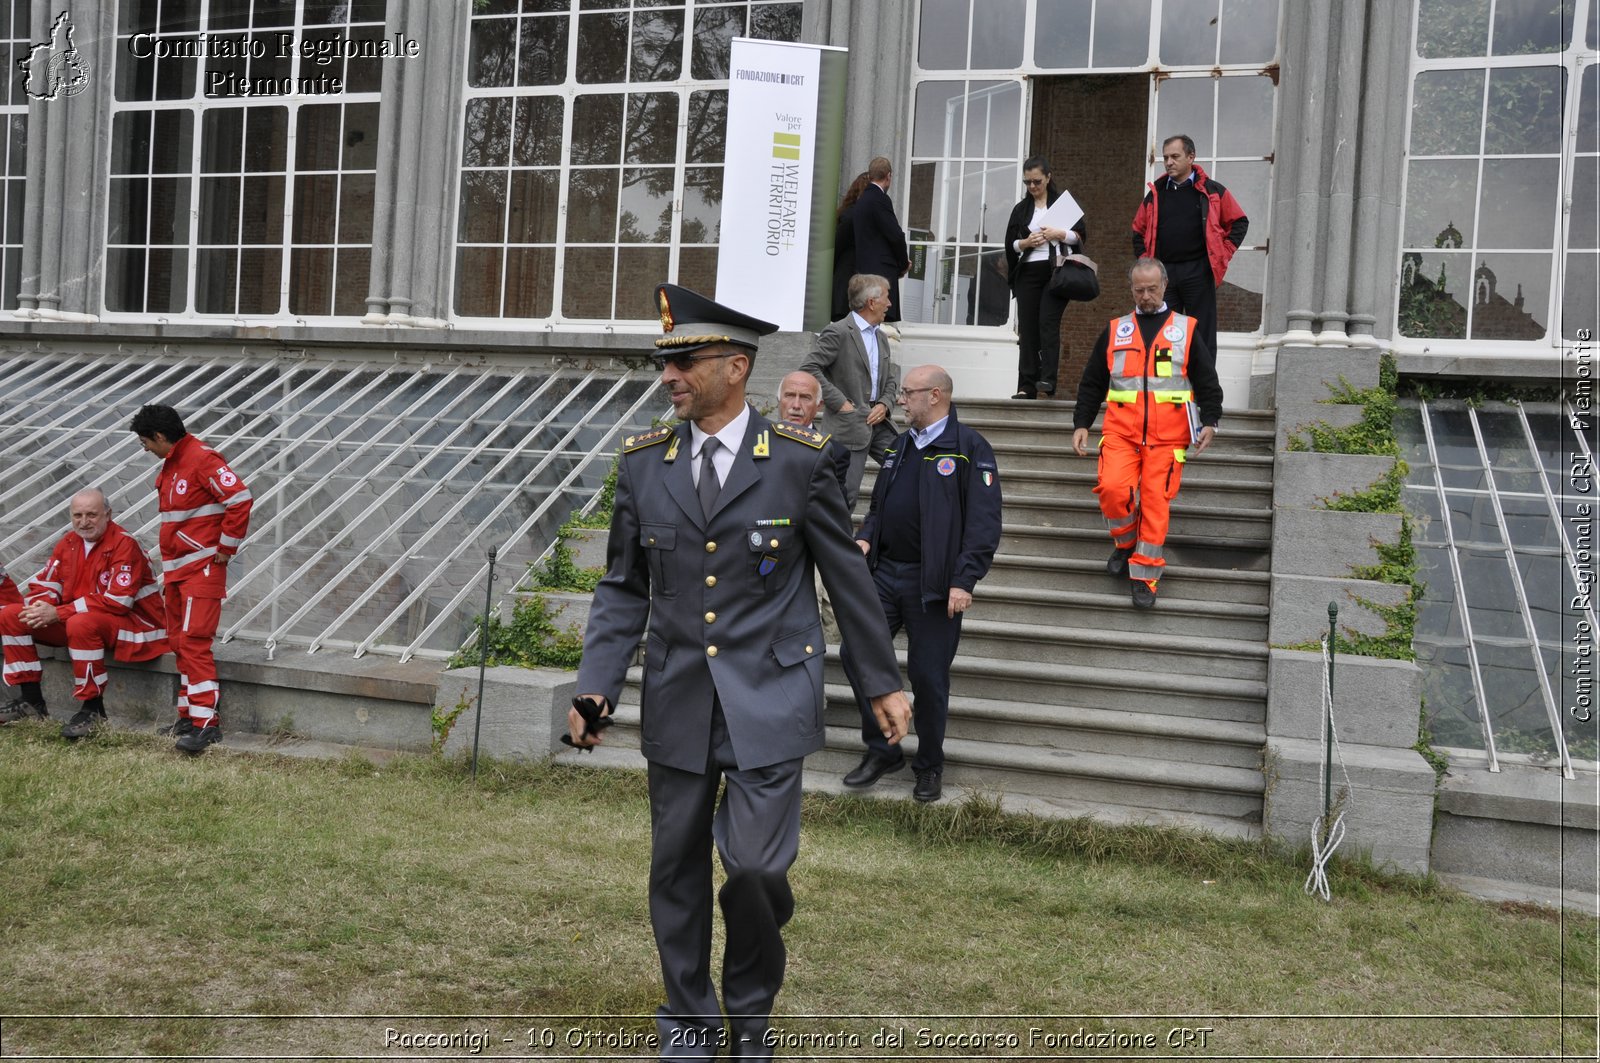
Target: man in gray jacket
853, 363
718, 522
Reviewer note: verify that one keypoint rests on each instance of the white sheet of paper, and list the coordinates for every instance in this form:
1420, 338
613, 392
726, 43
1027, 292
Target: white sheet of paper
1063, 214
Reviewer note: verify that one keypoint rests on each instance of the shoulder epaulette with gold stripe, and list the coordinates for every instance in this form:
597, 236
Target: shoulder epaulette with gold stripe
645, 439
809, 436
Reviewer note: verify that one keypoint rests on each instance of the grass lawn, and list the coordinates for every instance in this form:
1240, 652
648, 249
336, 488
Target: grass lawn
251, 906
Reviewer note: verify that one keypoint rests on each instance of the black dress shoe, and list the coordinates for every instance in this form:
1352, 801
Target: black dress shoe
1024, 393
1144, 593
1117, 563
930, 785
872, 768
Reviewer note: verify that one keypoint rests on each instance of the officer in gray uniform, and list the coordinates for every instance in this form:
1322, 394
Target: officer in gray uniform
718, 522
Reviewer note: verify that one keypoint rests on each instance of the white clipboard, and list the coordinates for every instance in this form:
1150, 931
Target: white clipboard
1062, 214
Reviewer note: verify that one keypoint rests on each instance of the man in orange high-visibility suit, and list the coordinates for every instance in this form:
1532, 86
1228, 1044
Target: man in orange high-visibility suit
205, 512
1148, 367
95, 595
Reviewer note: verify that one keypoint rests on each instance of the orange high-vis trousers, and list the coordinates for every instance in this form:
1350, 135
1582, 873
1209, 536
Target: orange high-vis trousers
1137, 484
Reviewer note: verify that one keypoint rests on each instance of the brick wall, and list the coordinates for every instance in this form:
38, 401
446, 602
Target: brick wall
1092, 129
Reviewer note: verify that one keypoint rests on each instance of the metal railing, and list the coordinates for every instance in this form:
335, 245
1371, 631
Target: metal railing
378, 485
1512, 547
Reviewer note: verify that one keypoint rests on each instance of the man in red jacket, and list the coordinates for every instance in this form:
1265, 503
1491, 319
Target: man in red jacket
1193, 225
96, 593
205, 512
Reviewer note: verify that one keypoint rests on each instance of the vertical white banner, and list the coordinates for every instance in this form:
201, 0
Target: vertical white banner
767, 180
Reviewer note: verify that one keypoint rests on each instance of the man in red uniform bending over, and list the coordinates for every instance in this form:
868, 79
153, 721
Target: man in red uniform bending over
96, 593
205, 511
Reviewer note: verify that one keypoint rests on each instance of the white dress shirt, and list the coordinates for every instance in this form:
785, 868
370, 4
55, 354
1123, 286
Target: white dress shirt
869, 340
731, 437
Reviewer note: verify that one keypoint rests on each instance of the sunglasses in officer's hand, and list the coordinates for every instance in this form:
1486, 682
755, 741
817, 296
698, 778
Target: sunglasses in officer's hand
683, 361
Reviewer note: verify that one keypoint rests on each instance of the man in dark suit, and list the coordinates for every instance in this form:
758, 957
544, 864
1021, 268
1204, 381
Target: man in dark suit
717, 524
930, 536
880, 242
854, 364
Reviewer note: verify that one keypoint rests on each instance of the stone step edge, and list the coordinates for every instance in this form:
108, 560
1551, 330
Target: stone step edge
1246, 649
1074, 564
1034, 477
818, 779
1197, 607
1210, 457
1178, 509
1188, 539
1089, 676
1212, 687
1036, 760
1103, 721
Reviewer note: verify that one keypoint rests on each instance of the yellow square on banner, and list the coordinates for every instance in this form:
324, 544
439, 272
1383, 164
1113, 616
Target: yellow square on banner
786, 153
786, 146
790, 139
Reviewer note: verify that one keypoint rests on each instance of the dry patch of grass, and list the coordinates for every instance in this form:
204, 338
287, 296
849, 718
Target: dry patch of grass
242, 890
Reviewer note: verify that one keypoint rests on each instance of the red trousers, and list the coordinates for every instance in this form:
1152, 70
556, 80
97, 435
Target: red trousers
87, 636
192, 616
1138, 482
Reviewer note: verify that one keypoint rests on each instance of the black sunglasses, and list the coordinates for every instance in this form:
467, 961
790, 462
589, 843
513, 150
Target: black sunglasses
683, 361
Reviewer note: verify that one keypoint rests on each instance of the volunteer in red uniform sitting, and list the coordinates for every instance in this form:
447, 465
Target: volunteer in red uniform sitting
96, 593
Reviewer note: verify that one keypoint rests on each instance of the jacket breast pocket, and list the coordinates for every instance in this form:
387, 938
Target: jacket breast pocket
772, 552
658, 541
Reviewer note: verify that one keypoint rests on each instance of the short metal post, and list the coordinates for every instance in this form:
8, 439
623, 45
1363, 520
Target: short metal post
483, 660
1327, 758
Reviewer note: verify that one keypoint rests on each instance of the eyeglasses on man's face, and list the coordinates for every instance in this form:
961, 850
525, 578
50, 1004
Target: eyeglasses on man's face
906, 393
683, 361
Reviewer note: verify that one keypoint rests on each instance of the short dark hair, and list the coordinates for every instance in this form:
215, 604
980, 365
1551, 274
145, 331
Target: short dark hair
1036, 162
162, 420
1188, 143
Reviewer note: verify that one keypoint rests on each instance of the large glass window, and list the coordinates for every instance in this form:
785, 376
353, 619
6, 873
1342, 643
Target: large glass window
14, 47
982, 67
585, 234
1500, 197
244, 154
1501, 544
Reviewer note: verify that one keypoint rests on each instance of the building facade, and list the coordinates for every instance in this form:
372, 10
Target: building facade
484, 178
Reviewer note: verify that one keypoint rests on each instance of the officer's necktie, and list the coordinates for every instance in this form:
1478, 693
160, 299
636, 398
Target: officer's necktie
709, 487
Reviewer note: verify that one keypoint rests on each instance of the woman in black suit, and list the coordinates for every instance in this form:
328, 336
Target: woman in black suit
1030, 258
844, 246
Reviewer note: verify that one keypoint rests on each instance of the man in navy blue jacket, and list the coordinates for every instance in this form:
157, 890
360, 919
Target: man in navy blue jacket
929, 537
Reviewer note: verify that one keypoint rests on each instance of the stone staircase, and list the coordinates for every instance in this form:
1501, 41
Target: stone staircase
1045, 710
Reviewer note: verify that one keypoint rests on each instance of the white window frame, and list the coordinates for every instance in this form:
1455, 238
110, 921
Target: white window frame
1573, 59
684, 86
197, 105
1029, 70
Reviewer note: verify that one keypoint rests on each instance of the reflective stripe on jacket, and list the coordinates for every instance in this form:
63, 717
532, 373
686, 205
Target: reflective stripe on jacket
1149, 386
205, 509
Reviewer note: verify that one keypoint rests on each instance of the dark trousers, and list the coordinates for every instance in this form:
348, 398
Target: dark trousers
1038, 329
1192, 290
931, 637
756, 829
883, 437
